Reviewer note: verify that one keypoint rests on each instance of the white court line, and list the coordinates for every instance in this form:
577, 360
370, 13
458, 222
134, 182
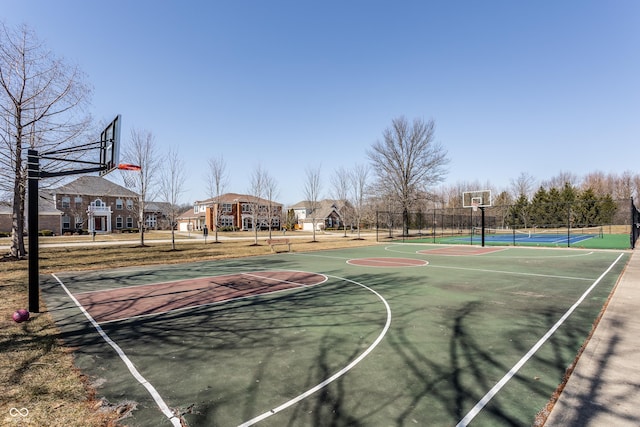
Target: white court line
338, 374
484, 270
386, 262
315, 255
496, 388
146, 384
300, 285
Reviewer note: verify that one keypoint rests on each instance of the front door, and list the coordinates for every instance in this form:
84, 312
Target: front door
98, 223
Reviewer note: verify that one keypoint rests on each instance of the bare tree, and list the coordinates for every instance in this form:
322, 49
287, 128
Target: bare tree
172, 183
408, 161
635, 186
560, 180
340, 181
217, 180
142, 151
624, 186
524, 185
312, 189
270, 193
502, 203
359, 182
42, 101
256, 198
598, 182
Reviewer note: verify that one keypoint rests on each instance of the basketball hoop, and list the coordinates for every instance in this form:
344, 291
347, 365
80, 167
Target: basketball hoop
477, 199
128, 167
129, 174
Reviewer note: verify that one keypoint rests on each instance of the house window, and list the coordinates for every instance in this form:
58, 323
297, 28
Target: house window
129, 222
78, 202
118, 222
97, 203
196, 208
129, 204
79, 221
119, 204
66, 202
66, 222
151, 221
226, 221
226, 207
246, 208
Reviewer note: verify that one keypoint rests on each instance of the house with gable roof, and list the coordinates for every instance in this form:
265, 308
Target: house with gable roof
88, 204
92, 203
326, 214
233, 211
48, 216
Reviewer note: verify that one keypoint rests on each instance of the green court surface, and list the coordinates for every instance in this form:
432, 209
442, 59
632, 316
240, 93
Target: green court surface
393, 335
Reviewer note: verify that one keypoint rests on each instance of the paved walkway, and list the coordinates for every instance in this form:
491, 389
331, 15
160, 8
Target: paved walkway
604, 388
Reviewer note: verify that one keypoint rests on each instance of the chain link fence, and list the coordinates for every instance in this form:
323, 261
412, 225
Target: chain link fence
511, 224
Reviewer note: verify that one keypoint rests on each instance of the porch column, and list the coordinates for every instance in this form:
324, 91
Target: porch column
109, 213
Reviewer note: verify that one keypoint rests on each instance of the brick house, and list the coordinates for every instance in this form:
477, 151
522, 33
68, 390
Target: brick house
48, 216
90, 203
5, 218
235, 211
93, 203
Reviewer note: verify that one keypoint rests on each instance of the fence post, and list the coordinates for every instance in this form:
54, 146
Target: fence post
568, 225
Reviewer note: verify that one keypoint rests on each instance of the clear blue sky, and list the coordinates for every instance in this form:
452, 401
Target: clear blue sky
538, 87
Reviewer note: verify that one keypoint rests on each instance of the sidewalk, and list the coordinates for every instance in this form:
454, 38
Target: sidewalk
604, 388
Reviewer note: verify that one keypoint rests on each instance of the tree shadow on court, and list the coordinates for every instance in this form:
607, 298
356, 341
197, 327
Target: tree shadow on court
446, 379
460, 377
235, 360
327, 407
252, 335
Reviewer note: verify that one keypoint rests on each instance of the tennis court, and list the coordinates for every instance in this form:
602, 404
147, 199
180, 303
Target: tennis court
398, 334
553, 237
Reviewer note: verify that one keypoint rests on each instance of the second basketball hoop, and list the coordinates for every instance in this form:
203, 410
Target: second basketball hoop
477, 200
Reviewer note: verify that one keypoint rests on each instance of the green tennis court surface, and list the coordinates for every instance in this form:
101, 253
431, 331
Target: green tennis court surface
402, 334
574, 239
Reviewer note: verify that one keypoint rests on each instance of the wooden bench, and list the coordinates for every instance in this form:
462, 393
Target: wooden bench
276, 242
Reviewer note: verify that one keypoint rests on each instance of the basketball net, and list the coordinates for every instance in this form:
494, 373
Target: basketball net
474, 206
129, 174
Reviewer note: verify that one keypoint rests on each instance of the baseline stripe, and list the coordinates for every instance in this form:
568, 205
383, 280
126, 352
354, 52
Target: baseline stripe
496, 388
146, 384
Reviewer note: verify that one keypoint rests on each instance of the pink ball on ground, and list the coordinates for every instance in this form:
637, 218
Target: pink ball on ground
21, 315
